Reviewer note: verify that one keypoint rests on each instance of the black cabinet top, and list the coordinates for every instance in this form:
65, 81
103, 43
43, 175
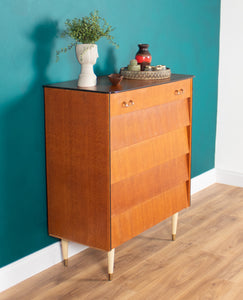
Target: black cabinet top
104, 85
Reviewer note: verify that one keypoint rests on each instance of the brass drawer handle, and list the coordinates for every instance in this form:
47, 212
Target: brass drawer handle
125, 104
179, 92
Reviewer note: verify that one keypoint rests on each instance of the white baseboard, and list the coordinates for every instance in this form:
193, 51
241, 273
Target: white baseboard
45, 258
34, 263
203, 181
230, 178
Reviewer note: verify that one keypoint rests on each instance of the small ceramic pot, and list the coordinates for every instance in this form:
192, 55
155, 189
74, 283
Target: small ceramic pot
115, 78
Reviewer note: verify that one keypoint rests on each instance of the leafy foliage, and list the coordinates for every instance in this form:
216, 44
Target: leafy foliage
86, 30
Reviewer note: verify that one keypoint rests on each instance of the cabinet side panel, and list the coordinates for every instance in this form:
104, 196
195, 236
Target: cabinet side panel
77, 163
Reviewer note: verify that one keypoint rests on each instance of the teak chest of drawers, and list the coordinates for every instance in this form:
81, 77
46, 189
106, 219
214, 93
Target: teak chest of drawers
117, 159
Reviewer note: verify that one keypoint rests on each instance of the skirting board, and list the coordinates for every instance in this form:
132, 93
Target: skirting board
45, 258
202, 181
34, 263
230, 178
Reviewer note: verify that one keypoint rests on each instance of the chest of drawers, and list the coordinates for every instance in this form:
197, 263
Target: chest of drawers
117, 159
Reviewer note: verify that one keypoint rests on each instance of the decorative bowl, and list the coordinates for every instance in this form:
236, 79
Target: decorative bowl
146, 75
115, 78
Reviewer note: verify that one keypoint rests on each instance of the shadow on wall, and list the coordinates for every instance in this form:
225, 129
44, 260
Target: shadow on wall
110, 65
23, 219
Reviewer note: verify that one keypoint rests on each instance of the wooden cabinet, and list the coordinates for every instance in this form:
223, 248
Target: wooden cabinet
117, 159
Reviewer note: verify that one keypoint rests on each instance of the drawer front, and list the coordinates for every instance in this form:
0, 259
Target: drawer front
139, 188
134, 127
122, 103
150, 132
137, 158
147, 214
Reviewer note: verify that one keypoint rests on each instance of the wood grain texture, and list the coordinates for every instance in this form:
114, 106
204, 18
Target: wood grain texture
112, 171
77, 164
134, 127
137, 189
205, 262
189, 129
128, 161
148, 97
147, 214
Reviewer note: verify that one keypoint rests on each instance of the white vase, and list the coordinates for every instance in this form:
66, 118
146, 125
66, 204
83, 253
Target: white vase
87, 55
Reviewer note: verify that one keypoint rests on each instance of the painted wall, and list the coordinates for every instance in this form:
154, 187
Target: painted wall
229, 143
182, 34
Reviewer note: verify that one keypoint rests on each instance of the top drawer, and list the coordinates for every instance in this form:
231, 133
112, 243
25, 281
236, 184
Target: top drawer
125, 102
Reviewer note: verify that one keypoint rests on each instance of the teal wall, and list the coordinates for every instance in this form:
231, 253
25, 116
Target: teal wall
183, 34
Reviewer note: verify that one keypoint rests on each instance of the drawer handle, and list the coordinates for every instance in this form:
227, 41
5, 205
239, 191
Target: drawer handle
125, 104
179, 92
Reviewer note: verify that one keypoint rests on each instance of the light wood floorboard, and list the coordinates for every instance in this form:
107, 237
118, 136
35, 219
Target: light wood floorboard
205, 262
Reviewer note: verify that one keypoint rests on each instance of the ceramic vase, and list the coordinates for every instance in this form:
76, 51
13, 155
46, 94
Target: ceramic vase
143, 56
87, 55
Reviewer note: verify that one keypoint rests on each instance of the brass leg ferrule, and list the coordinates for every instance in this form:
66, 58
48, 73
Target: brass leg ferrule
65, 262
110, 277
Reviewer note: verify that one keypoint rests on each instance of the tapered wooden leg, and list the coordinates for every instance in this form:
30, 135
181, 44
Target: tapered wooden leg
65, 252
174, 225
111, 257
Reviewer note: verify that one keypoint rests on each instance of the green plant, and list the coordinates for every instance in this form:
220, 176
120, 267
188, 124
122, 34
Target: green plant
86, 30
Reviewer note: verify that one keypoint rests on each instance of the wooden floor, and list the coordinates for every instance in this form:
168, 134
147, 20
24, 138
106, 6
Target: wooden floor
205, 262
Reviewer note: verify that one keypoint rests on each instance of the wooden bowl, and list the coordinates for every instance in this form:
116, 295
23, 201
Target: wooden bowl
115, 78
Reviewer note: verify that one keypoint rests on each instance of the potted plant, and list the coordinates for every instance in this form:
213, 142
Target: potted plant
86, 32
